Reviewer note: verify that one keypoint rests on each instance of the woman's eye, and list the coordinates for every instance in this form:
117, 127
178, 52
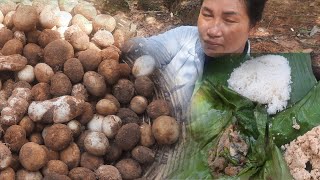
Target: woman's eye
206, 15
230, 21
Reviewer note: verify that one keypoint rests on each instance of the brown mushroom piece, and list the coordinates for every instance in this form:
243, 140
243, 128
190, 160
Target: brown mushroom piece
129, 169
123, 91
158, 108
144, 86
128, 116
58, 137
128, 136
74, 70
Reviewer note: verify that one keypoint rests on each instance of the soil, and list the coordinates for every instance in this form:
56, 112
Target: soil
286, 25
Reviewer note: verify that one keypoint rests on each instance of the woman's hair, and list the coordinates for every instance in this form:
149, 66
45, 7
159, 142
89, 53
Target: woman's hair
254, 9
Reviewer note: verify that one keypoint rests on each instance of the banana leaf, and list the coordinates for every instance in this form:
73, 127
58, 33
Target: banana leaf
219, 70
306, 113
275, 168
215, 107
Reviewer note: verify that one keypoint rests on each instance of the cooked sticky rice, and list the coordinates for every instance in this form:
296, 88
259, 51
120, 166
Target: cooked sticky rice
265, 79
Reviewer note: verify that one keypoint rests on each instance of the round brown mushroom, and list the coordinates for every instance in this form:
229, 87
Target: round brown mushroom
158, 108
32, 156
144, 86
5, 156
165, 130
90, 161
58, 137
32, 36
90, 59
129, 169
110, 52
55, 176
15, 137
60, 85
13, 46
108, 172
7, 173
55, 166
96, 143
123, 91
138, 104
106, 107
87, 115
110, 70
36, 138
80, 41
147, 138
57, 53
125, 70
143, 154
52, 155
41, 92
47, 36
6, 35
33, 53
128, 116
74, 70
94, 83
25, 18
34, 175
43, 72
81, 172
128, 136
27, 124
113, 154
71, 155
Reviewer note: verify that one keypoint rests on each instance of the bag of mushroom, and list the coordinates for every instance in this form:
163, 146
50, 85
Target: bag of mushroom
70, 107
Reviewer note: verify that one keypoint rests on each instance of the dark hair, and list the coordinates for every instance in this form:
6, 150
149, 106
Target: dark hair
254, 9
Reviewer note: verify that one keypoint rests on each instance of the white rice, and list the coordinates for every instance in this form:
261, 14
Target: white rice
265, 79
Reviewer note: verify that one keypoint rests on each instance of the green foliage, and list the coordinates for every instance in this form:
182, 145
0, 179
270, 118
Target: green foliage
215, 107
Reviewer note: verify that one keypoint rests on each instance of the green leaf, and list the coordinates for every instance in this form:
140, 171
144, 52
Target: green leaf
218, 71
275, 168
305, 112
209, 114
195, 164
213, 110
215, 107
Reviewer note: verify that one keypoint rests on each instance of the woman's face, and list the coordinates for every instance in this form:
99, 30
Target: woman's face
224, 27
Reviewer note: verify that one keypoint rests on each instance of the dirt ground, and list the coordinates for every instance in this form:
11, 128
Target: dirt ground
286, 27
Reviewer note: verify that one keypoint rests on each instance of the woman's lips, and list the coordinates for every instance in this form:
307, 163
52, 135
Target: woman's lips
213, 44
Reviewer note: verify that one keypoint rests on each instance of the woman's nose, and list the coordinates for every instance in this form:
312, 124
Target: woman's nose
215, 30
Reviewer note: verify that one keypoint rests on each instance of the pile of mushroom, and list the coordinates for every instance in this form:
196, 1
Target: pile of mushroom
70, 108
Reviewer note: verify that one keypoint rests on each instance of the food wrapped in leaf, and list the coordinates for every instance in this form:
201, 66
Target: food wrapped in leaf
230, 155
219, 113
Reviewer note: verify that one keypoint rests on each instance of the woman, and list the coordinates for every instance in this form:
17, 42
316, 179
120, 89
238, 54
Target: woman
229, 135
181, 53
